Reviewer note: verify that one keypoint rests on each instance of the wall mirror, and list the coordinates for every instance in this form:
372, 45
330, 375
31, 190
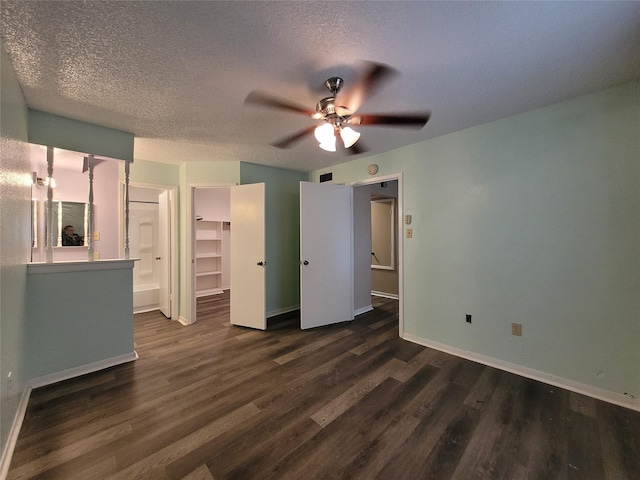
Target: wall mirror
69, 223
383, 233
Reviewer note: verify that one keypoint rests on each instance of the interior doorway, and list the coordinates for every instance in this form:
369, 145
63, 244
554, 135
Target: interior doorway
378, 211
153, 241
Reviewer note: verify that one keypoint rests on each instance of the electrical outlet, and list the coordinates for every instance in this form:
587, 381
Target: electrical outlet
96, 255
409, 232
468, 318
407, 219
96, 235
516, 329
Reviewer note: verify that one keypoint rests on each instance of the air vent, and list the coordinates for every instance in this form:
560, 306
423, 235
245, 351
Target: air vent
326, 177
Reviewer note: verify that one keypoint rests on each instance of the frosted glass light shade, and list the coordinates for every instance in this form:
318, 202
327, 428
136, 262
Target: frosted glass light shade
349, 136
329, 146
324, 134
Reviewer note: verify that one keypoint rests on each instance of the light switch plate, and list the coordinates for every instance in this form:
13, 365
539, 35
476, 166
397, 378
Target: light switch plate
409, 232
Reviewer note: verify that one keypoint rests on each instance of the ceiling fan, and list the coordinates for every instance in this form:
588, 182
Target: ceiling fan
338, 115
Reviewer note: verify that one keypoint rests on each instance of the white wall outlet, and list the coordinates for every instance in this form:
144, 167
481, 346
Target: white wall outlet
96, 255
409, 232
407, 219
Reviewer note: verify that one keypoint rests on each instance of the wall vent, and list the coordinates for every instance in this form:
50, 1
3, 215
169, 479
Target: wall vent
326, 177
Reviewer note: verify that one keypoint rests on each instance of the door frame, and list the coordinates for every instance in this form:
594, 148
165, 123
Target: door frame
173, 227
190, 259
399, 236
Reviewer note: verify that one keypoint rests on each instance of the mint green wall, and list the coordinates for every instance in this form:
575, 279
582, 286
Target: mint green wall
15, 240
532, 219
152, 172
61, 132
282, 235
71, 327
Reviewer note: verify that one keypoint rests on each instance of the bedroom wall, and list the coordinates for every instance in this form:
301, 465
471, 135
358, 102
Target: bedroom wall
15, 241
282, 235
532, 219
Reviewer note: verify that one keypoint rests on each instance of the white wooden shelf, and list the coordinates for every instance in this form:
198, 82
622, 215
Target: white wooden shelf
204, 274
208, 257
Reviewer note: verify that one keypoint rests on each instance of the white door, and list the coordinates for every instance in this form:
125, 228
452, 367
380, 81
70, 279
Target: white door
248, 263
326, 254
164, 255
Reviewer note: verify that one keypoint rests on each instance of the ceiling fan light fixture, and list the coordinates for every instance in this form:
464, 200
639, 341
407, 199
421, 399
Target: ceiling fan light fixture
349, 136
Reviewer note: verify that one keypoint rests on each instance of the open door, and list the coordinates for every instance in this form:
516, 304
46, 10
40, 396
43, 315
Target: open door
164, 253
248, 298
326, 254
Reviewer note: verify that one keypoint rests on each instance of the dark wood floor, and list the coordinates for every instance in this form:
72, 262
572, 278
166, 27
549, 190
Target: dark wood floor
350, 401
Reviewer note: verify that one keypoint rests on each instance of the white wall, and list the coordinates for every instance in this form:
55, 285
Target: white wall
213, 203
533, 219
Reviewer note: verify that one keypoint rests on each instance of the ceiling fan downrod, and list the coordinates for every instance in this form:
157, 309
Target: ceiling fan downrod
325, 108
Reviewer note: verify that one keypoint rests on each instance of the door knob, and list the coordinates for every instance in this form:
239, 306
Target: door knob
157, 258
260, 264
305, 262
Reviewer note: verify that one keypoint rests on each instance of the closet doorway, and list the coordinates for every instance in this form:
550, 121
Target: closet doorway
211, 237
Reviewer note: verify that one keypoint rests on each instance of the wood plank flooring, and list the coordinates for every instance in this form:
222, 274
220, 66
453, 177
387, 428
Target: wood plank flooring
349, 401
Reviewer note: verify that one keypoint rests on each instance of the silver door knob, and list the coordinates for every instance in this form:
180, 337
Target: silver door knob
305, 262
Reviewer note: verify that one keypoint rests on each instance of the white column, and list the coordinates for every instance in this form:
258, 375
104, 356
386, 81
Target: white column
89, 234
49, 212
127, 166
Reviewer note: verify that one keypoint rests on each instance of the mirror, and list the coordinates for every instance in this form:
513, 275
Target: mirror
383, 233
69, 223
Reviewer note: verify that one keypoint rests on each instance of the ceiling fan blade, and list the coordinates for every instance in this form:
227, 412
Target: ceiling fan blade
286, 142
266, 100
375, 75
357, 148
417, 120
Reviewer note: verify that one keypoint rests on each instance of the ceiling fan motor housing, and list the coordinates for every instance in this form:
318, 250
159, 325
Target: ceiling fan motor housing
327, 106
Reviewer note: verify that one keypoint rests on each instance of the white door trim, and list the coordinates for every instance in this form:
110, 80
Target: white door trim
399, 237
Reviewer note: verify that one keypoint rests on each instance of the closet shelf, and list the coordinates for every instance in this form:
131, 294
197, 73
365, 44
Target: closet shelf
210, 291
208, 255
206, 274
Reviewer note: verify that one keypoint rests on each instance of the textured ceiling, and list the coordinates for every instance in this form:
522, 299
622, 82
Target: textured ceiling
176, 73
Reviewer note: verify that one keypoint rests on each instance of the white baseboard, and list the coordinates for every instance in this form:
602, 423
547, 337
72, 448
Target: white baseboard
393, 296
184, 321
362, 310
12, 439
282, 311
82, 370
561, 382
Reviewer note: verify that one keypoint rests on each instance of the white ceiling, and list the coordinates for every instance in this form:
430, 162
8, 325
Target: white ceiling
176, 73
